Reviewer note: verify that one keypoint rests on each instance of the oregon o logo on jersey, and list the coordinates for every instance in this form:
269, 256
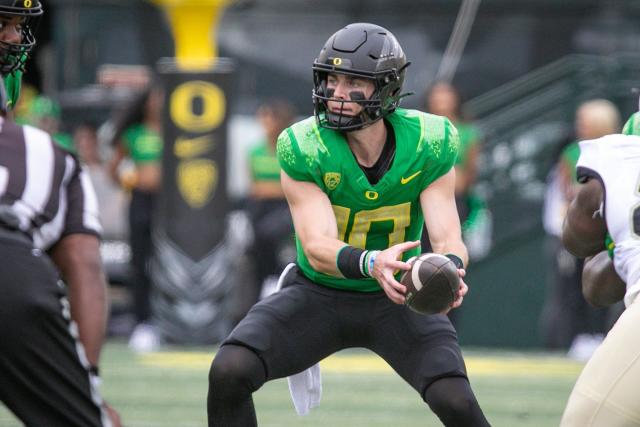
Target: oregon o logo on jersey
371, 195
211, 112
331, 180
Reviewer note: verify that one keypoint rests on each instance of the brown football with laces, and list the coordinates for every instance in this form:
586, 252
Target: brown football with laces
432, 283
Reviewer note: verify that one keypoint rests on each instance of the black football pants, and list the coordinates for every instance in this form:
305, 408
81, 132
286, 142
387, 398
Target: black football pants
43, 375
304, 322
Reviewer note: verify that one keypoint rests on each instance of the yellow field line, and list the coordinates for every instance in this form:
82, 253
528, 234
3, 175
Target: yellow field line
346, 364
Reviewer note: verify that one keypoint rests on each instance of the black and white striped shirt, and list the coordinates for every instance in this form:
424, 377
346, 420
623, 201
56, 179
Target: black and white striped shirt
45, 186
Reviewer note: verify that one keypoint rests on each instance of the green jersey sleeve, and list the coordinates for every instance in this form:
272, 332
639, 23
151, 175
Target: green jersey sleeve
632, 127
443, 145
291, 158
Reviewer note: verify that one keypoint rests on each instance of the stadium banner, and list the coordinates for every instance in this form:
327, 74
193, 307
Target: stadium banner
190, 266
195, 196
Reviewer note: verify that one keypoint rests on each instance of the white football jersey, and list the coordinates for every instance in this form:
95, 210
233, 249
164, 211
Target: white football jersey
615, 161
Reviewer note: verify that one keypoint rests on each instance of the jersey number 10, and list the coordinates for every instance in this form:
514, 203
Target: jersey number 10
400, 215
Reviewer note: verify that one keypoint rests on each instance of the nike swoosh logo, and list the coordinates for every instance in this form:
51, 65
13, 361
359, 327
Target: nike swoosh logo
404, 180
191, 147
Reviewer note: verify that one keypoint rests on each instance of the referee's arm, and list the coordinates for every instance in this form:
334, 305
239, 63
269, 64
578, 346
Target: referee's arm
77, 257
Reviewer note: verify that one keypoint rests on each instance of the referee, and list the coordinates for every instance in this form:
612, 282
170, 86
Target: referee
49, 230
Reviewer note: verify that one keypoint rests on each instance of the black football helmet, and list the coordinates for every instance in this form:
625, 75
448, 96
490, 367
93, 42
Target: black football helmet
365, 51
14, 55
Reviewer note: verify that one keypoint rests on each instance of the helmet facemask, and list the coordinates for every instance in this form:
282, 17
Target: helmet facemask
383, 101
364, 51
13, 56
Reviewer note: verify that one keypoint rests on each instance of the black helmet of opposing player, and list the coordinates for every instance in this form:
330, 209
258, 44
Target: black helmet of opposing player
365, 51
14, 55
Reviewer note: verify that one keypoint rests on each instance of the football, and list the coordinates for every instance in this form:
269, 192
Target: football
432, 283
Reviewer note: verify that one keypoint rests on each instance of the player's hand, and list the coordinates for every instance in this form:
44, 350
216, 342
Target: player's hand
462, 291
386, 264
113, 415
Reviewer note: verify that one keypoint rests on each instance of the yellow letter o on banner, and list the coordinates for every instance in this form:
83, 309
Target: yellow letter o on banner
213, 106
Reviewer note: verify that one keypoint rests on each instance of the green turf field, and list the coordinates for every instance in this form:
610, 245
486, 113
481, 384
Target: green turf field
168, 389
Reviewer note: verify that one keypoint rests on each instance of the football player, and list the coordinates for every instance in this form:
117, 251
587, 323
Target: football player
608, 201
18, 19
360, 176
48, 230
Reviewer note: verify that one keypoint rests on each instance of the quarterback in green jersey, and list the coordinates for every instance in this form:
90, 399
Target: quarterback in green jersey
361, 177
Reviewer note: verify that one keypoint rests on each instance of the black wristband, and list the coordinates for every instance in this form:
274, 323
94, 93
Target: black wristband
456, 260
94, 370
350, 262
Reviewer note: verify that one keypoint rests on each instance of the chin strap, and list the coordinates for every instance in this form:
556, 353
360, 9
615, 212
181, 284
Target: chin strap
404, 95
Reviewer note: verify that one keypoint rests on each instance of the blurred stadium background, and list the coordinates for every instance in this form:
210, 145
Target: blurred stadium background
523, 69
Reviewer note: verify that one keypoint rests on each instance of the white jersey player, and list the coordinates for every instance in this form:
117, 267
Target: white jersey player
614, 160
609, 201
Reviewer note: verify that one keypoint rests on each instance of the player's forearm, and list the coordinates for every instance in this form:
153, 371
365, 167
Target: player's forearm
455, 247
601, 285
88, 300
583, 231
322, 253
78, 260
580, 241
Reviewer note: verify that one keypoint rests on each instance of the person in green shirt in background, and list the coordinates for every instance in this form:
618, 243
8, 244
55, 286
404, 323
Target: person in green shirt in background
44, 113
273, 246
443, 99
568, 321
594, 119
274, 116
138, 138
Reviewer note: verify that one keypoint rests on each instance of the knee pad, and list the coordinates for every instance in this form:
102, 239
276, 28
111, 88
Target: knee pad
235, 371
453, 401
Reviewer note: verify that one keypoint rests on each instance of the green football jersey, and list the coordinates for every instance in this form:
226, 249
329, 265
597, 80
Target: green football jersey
632, 127
370, 216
